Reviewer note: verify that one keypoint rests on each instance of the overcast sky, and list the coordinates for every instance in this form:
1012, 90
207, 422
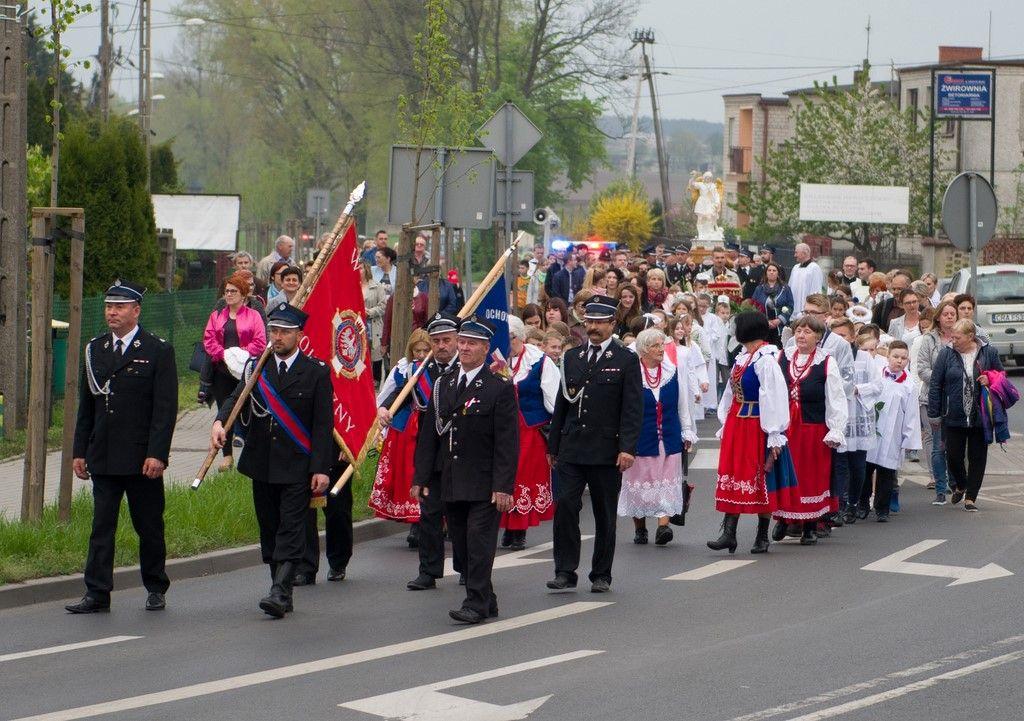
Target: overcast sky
770, 45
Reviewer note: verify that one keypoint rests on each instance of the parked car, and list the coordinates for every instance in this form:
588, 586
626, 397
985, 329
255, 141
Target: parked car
999, 292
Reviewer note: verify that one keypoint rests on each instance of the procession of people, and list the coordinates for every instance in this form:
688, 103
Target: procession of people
820, 386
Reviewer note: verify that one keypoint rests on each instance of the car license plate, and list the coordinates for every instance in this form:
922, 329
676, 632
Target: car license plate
1007, 317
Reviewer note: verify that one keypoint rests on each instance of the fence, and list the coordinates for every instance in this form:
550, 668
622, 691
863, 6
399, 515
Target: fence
179, 318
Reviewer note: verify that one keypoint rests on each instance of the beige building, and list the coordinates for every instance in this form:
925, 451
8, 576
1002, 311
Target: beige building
753, 125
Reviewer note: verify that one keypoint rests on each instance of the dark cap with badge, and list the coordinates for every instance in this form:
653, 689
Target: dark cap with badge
600, 308
442, 323
768, 249
283, 315
749, 254
477, 327
124, 292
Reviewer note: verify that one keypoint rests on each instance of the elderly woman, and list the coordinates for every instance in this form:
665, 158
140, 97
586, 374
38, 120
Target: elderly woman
537, 380
389, 497
754, 413
954, 402
932, 343
653, 485
818, 413
233, 334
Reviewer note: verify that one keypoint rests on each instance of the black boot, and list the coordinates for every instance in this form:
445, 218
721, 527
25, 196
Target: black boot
728, 537
761, 541
506, 538
518, 542
413, 539
779, 532
279, 601
809, 538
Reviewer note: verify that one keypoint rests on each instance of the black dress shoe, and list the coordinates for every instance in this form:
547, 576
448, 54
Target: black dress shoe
421, 583
413, 539
506, 538
561, 583
640, 537
88, 605
601, 585
518, 542
304, 579
155, 602
492, 610
465, 615
462, 579
779, 532
336, 574
662, 536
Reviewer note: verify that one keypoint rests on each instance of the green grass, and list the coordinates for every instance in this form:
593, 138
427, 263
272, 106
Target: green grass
219, 515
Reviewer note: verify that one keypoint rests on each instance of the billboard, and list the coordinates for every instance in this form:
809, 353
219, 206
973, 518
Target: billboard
889, 204
963, 94
199, 222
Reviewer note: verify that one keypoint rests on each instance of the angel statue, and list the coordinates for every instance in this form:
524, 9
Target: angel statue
706, 195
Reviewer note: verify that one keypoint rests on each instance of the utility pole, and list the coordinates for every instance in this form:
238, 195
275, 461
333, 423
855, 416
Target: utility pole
104, 59
643, 37
145, 80
634, 128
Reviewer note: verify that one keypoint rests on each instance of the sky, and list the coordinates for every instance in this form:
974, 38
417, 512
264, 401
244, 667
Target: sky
728, 46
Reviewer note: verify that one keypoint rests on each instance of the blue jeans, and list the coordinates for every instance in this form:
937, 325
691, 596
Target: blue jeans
939, 461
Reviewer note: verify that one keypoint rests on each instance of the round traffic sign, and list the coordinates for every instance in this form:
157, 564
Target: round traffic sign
956, 210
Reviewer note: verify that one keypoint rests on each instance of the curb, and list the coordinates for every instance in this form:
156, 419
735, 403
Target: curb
41, 590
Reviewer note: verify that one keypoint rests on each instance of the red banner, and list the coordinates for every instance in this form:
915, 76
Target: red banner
336, 333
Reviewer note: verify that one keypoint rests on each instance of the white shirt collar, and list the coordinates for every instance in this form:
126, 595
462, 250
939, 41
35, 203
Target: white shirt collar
126, 339
287, 361
603, 346
469, 375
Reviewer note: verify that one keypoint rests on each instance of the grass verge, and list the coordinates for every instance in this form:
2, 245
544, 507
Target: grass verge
218, 516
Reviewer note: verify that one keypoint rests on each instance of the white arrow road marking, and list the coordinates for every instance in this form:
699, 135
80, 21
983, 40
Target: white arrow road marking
712, 569
426, 703
516, 558
897, 563
325, 664
66, 647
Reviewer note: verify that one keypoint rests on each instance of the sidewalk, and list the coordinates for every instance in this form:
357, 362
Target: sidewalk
188, 451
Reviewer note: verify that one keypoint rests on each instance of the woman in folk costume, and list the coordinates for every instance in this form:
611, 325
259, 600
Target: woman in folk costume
653, 485
537, 379
389, 497
754, 468
818, 414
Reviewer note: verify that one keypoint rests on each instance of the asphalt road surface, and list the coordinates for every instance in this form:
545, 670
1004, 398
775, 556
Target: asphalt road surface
932, 629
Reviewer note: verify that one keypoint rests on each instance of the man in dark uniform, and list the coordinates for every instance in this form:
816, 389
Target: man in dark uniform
676, 269
337, 534
429, 535
127, 407
471, 426
593, 437
289, 447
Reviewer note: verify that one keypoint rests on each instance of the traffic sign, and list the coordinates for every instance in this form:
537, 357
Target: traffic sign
510, 134
969, 211
522, 195
318, 202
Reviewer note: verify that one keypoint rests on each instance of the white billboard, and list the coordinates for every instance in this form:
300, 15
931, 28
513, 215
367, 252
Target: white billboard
199, 222
855, 203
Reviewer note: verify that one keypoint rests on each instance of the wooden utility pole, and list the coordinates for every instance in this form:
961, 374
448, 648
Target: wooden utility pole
13, 268
643, 37
58, 58
433, 301
105, 59
76, 272
145, 80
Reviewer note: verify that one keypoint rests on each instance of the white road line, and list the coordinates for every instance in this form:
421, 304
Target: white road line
987, 498
705, 459
828, 696
66, 647
712, 569
910, 688
325, 664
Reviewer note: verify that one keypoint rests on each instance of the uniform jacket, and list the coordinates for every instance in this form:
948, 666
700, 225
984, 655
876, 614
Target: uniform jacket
116, 433
607, 417
270, 455
479, 455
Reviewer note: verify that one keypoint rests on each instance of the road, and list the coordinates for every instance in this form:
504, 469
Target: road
799, 634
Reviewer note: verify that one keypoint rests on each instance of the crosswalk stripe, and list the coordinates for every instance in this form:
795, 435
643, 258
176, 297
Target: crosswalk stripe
66, 647
712, 569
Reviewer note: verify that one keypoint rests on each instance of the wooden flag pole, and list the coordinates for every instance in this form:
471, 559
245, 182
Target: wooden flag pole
468, 309
308, 283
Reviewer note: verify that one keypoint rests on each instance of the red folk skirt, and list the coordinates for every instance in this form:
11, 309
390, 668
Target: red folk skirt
812, 461
389, 497
531, 498
741, 486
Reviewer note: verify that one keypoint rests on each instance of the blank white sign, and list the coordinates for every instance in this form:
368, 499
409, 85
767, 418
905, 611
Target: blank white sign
199, 222
855, 203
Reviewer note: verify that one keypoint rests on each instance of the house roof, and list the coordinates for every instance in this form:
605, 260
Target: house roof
1011, 62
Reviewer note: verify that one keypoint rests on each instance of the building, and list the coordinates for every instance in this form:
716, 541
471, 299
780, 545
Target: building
753, 125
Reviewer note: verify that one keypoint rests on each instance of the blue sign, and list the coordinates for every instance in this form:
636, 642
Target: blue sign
963, 94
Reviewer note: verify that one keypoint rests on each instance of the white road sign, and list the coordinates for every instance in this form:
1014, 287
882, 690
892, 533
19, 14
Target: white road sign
855, 203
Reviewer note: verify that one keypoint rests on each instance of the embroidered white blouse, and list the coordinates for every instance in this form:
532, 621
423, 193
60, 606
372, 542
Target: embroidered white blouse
836, 410
773, 401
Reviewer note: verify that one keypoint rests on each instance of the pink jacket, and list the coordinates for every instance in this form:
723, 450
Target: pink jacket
252, 335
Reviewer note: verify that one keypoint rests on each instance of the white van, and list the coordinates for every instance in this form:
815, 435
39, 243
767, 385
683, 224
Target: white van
999, 292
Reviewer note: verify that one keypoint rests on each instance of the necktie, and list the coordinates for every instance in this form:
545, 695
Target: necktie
462, 384
595, 351
119, 346
282, 368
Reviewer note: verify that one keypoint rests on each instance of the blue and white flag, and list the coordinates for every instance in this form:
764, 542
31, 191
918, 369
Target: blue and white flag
494, 307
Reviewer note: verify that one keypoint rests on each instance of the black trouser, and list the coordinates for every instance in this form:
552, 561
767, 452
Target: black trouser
146, 506
338, 532
604, 483
885, 481
223, 385
473, 526
966, 444
848, 470
431, 535
281, 510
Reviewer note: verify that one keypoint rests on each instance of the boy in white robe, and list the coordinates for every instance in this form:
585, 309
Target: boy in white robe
898, 426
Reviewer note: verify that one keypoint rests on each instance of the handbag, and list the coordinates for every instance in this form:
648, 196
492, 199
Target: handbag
198, 359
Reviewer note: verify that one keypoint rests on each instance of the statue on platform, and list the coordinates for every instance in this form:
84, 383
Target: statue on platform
706, 194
